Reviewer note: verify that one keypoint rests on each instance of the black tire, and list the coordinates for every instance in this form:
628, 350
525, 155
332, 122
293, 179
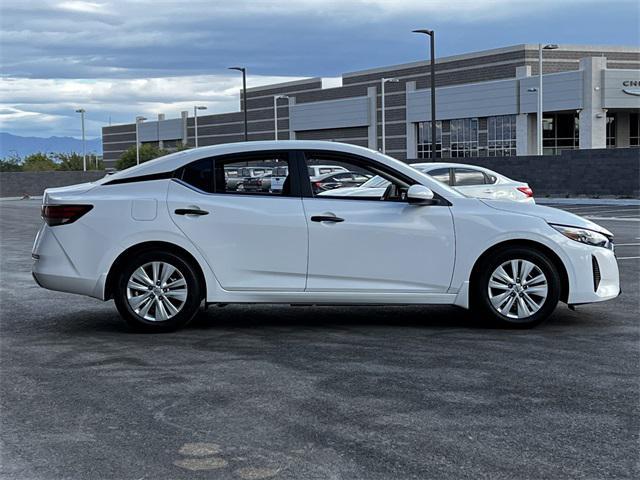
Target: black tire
480, 292
187, 310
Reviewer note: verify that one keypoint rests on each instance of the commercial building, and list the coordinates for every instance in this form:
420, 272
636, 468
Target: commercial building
486, 106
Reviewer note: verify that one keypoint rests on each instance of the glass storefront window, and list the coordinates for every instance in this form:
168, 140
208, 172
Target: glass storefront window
634, 130
501, 135
464, 137
559, 132
424, 139
611, 130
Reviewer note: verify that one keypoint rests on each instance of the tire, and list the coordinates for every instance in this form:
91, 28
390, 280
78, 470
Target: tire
522, 303
162, 309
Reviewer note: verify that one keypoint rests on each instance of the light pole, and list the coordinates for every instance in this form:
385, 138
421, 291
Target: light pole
539, 113
244, 99
81, 111
432, 35
384, 133
195, 120
138, 121
275, 112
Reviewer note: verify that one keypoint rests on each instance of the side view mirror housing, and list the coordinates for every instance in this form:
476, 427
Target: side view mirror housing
420, 195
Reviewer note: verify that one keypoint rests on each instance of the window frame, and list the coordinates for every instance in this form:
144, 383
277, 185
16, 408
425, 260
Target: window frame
305, 183
287, 156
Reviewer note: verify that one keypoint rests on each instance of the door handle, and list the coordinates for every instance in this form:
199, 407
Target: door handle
326, 218
190, 211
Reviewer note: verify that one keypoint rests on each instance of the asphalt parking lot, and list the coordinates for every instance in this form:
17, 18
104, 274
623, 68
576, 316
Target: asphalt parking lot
252, 392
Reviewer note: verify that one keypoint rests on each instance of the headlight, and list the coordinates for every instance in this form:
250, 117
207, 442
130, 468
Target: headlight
583, 235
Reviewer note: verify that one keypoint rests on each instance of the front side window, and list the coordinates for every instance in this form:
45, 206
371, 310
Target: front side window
360, 179
441, 174
254, 174
465, 177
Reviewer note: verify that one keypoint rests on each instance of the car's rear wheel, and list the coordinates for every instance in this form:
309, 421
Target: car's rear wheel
516, 287
158, 291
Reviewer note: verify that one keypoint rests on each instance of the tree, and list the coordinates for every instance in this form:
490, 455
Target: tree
37, 162
147, 152
73, 161
11, 164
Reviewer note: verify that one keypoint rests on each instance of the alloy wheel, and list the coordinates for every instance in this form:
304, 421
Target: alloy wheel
156, 291
518, 289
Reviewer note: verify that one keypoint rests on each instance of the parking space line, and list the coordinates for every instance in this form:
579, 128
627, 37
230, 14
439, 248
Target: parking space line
626, 258
627, 244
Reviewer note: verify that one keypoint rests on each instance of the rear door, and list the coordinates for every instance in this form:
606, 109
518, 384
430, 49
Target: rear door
251, 240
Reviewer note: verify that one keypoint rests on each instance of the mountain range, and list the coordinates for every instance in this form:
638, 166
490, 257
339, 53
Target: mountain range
11, 145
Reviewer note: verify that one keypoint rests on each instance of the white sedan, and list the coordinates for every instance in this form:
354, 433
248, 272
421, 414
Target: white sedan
470, 180
163, 237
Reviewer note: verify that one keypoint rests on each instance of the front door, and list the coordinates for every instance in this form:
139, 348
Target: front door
376, 244
251, 240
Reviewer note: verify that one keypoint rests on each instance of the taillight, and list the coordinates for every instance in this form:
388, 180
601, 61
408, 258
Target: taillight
63, 214
526, 190
318, 185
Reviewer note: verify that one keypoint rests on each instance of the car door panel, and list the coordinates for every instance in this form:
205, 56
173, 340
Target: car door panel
251, 241
379, 246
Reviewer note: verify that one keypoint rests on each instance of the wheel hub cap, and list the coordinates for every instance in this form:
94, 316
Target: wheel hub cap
518, 289
156, 291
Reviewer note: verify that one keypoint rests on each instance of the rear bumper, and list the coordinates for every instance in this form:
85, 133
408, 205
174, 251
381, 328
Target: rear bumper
53, 269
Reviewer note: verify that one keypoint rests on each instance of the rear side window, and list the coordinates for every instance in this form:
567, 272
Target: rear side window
467, 177
199, 175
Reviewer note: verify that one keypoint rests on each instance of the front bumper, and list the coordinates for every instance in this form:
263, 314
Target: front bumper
596, 277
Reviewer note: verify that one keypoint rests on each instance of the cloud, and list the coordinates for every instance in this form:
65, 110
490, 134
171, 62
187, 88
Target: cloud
123, 58
47, 106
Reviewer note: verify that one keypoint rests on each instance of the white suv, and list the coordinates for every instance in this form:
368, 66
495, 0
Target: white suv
163, 237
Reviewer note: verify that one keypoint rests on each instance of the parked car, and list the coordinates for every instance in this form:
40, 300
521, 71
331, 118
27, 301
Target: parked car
160, 239
470, 180
258, 184
330, 181
278, 176
316, 170
244, 174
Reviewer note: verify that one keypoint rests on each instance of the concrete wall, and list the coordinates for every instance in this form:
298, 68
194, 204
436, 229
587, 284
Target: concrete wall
601, 172
17, 184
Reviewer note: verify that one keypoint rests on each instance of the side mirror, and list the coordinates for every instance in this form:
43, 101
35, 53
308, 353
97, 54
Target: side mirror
420, 195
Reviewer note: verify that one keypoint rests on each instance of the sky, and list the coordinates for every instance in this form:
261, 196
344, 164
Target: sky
118, 59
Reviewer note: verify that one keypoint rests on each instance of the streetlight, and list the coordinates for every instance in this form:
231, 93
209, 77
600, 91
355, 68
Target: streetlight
244, 99
384, 135
432, 35
275, 111
138, 120
551, 46
81, 111
195, 119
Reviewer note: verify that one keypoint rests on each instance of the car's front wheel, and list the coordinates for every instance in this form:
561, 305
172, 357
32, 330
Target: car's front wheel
158, 291
516, 287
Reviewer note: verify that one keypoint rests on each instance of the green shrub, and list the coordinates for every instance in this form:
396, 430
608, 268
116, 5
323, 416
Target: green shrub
147, 152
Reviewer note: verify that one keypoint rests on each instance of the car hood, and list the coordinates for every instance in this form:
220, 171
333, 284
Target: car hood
548, 214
